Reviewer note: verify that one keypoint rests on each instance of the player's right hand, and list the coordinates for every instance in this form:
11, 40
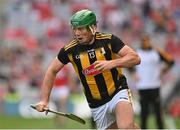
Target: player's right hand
41, 106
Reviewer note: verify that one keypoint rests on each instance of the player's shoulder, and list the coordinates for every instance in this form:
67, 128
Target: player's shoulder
71, 44
100, 35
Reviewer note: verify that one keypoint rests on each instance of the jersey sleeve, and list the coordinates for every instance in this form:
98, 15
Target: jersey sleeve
116, 44
63, 56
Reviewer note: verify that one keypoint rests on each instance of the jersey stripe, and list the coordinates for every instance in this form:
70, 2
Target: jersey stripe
100, 81
77, 62
115, 72
90, 79
71, 44
107, 75
114, 57
130, 96
101, 34
66, 48
103, 37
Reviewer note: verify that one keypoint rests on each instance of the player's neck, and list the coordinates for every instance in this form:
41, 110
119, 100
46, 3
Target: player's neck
92, 41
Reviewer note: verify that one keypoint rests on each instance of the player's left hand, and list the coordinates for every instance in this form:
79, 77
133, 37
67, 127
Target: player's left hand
103, 65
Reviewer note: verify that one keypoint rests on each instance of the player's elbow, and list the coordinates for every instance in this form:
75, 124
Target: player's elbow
51, 71
137, 59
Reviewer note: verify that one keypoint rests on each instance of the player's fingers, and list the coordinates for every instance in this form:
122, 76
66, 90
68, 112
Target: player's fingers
97, 62
41, 107
97, 67
46, 109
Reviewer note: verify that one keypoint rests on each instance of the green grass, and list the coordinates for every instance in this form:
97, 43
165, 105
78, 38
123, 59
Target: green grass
151, 124
16, 122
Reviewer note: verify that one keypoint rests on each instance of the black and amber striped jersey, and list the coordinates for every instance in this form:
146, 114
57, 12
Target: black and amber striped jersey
100, 88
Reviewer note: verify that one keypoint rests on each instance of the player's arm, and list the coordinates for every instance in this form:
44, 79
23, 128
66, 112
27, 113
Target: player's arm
127, 58
48, 81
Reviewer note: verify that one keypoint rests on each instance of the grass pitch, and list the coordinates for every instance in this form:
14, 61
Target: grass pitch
17, 122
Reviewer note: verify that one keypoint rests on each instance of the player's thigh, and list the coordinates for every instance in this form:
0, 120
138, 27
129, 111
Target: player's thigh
102, 117
124, 114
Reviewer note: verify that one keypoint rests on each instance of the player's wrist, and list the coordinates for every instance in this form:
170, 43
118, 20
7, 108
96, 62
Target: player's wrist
45, 100
116, 63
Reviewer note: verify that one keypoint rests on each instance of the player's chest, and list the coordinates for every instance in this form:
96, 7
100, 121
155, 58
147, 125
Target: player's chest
91, 54
86, 57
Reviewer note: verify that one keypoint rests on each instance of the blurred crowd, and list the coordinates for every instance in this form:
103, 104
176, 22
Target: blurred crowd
34, 30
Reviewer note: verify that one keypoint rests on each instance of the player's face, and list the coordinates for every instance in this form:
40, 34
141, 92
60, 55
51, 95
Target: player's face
83, 35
